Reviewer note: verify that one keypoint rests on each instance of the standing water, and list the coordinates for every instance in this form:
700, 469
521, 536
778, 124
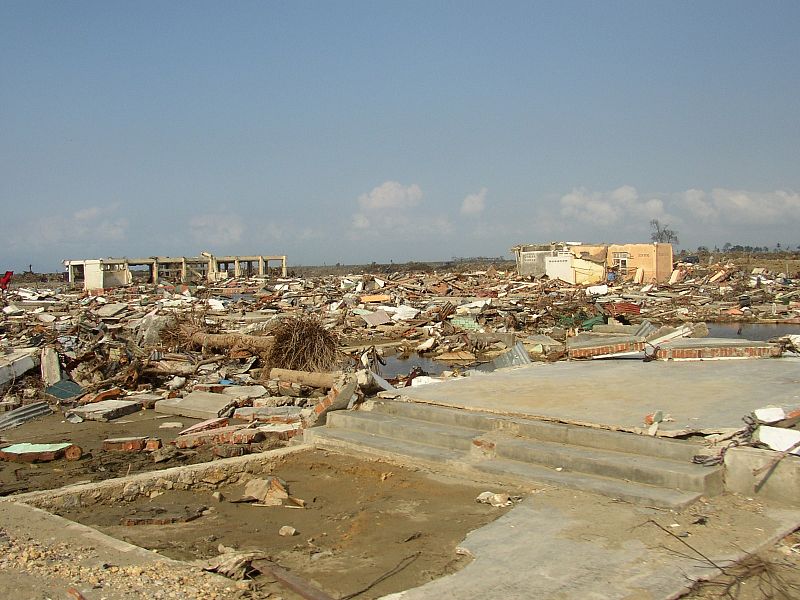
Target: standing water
752, 331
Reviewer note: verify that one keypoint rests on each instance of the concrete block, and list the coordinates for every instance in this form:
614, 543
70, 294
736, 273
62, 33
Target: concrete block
106, 410
269, 414
780, 484
199, 405
50, 366
17, 363
778, 438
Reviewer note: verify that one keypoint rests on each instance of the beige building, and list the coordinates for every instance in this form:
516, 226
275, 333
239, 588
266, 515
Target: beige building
578, 263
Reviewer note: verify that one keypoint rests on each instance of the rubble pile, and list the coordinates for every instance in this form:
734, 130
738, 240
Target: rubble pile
258, 359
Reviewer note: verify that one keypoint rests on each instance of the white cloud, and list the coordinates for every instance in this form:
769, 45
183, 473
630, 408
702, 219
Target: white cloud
360, 221
85, 226
474, 204
394, 210
743, 207
217, 229
609, 208
391, 195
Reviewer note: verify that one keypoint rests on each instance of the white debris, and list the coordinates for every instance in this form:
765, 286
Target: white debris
777, 438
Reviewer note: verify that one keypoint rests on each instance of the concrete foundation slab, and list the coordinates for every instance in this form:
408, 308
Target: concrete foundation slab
700, 396
544, 551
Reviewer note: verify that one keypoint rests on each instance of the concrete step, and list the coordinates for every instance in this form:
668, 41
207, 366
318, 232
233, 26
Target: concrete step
610, 464
636, 493
562, 433
401, 428
499, 470
390, 448
594, 461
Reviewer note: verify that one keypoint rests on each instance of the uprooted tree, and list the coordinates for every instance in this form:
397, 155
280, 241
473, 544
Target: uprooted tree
662, 234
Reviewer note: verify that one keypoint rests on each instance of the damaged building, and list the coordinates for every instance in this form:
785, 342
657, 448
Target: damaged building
105, 273
579, 263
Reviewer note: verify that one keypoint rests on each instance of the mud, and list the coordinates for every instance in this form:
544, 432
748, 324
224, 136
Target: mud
96, 464
362, 519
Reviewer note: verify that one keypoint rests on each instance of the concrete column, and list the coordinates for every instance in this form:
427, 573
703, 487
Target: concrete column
261, 265
183, 268
283, 266
71, 273
155, 272
237, 271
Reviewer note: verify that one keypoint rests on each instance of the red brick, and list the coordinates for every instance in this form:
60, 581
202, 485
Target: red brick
233, 434
206, 425
129, 444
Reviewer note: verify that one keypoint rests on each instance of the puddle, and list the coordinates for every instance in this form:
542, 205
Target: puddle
401, 365
752, 331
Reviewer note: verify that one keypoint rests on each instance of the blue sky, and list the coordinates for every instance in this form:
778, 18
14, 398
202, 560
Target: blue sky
376, 131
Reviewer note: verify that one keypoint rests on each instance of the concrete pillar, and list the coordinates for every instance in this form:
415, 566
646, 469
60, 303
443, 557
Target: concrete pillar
155, 272
261, 265
183, 268
237, 270
71, 273
283, 266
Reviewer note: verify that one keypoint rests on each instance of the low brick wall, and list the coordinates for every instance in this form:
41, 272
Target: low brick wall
719, 352
607, 349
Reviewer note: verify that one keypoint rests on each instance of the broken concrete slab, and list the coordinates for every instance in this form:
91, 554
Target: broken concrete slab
111, 310
338, 398
379, 317
244, 391
146, 400
199, 405
17, 363
269, 414
31, 453
50, 366
778, 438
106, 410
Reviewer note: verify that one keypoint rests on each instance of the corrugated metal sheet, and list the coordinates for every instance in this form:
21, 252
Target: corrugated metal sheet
19, 415
515, 357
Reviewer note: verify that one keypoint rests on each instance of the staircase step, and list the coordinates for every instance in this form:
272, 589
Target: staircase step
548, 431
401, 428
610, 464
635, 493
502, 470
360, 441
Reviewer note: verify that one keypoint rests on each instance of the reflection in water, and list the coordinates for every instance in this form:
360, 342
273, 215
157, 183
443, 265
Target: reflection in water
752, 331
402, 365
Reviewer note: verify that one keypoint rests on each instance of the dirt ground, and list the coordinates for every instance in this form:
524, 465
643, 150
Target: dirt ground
363, 518
96, 464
